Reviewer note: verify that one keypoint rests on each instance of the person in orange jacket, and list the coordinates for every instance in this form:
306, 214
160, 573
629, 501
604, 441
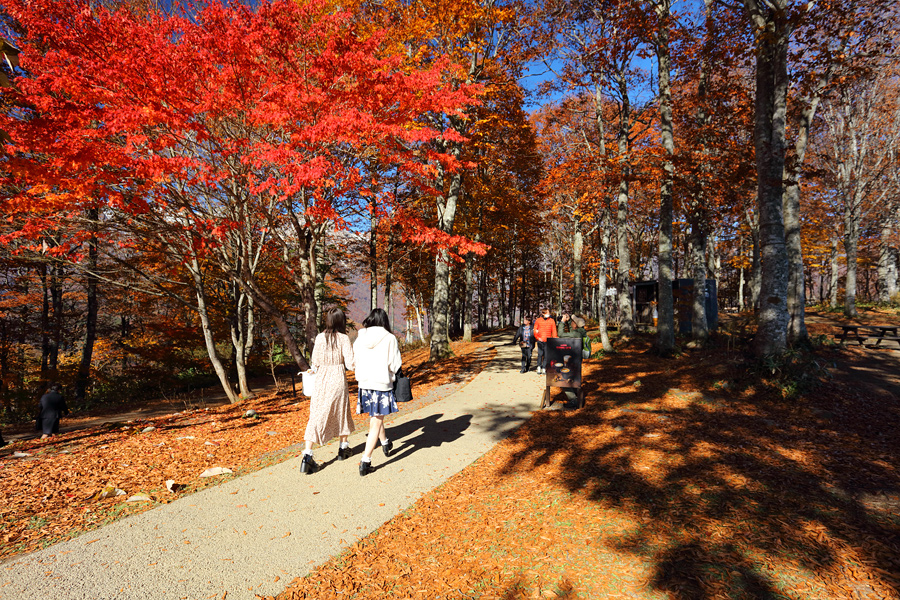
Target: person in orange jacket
544, 327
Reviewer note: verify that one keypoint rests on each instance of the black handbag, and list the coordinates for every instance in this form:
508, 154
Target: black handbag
402, 387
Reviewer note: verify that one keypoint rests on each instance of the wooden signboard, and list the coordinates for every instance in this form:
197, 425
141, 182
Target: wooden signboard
563, 368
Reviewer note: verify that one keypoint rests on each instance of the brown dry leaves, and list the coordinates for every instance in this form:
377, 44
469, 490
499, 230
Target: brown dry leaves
667, 485
50, 495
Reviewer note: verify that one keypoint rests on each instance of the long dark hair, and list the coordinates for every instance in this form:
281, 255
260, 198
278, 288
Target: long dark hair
378, 318
335, 322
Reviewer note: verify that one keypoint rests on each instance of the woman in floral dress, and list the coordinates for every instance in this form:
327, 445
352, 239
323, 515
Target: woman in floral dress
377, 362
329, 407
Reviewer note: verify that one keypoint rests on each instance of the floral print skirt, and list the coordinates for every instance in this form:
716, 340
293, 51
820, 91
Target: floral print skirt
376, 402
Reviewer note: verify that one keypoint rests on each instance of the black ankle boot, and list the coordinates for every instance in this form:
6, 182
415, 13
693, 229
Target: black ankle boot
365, 468
308, 465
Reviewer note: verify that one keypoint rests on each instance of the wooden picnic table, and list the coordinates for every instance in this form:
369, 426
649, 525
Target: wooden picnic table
852, 332
885, 332
879, 333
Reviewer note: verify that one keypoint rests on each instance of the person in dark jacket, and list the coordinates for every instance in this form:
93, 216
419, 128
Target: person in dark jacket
53, 406
525, 339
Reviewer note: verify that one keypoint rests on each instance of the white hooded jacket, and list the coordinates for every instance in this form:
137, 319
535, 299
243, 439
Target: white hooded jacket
377, 357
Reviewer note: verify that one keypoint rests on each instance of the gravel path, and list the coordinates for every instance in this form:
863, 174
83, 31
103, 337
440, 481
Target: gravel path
254, 534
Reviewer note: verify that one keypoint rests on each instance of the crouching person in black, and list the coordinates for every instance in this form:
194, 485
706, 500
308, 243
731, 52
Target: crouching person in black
525, 339
53, 406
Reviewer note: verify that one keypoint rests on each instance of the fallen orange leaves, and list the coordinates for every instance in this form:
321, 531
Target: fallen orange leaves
679, 490
49, 496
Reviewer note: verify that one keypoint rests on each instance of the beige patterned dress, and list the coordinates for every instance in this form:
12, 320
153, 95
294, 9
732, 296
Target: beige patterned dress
329, 407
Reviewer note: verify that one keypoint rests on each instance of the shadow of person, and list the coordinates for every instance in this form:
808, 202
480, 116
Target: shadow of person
432, 432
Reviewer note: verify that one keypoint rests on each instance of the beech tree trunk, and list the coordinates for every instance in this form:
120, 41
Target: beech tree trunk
852, 220
626, 316
577, 250
772, 32
887, 259
602, 319
467, 300
833, 273
665, 328
699, 326
419, 319
796, 295
440, 305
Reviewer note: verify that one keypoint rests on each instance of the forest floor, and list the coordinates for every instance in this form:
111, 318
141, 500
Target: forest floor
699, 477
50, 490
704, 476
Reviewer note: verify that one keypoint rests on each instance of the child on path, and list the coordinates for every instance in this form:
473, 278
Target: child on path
525, 339
544, 327
329, 406
377, 362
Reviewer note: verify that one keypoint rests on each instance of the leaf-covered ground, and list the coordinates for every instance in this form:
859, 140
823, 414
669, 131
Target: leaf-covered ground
690, 478
51, 494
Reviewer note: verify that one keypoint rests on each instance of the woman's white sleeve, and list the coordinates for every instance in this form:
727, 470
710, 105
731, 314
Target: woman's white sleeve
396, 357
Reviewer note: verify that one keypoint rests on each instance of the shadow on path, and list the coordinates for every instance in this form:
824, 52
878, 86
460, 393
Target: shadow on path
432, 433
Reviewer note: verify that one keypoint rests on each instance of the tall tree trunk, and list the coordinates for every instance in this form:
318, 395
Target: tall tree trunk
45, 318
852, 221
523, 297
440, 306
83, 378
559, 291
306, 285
577, 250
755, 266
417, 304
123, 336
206, 327
467, 300
772, 32
54, 326
833, 273
796, 295
389, 278
699, 326
514, 291
482, 300
373, 259
626, 316
601, 289
242, 324
713, 260
887, 258
322, 269
665, 329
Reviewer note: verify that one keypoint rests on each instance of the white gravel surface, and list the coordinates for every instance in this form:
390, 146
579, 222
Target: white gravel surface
254, 534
